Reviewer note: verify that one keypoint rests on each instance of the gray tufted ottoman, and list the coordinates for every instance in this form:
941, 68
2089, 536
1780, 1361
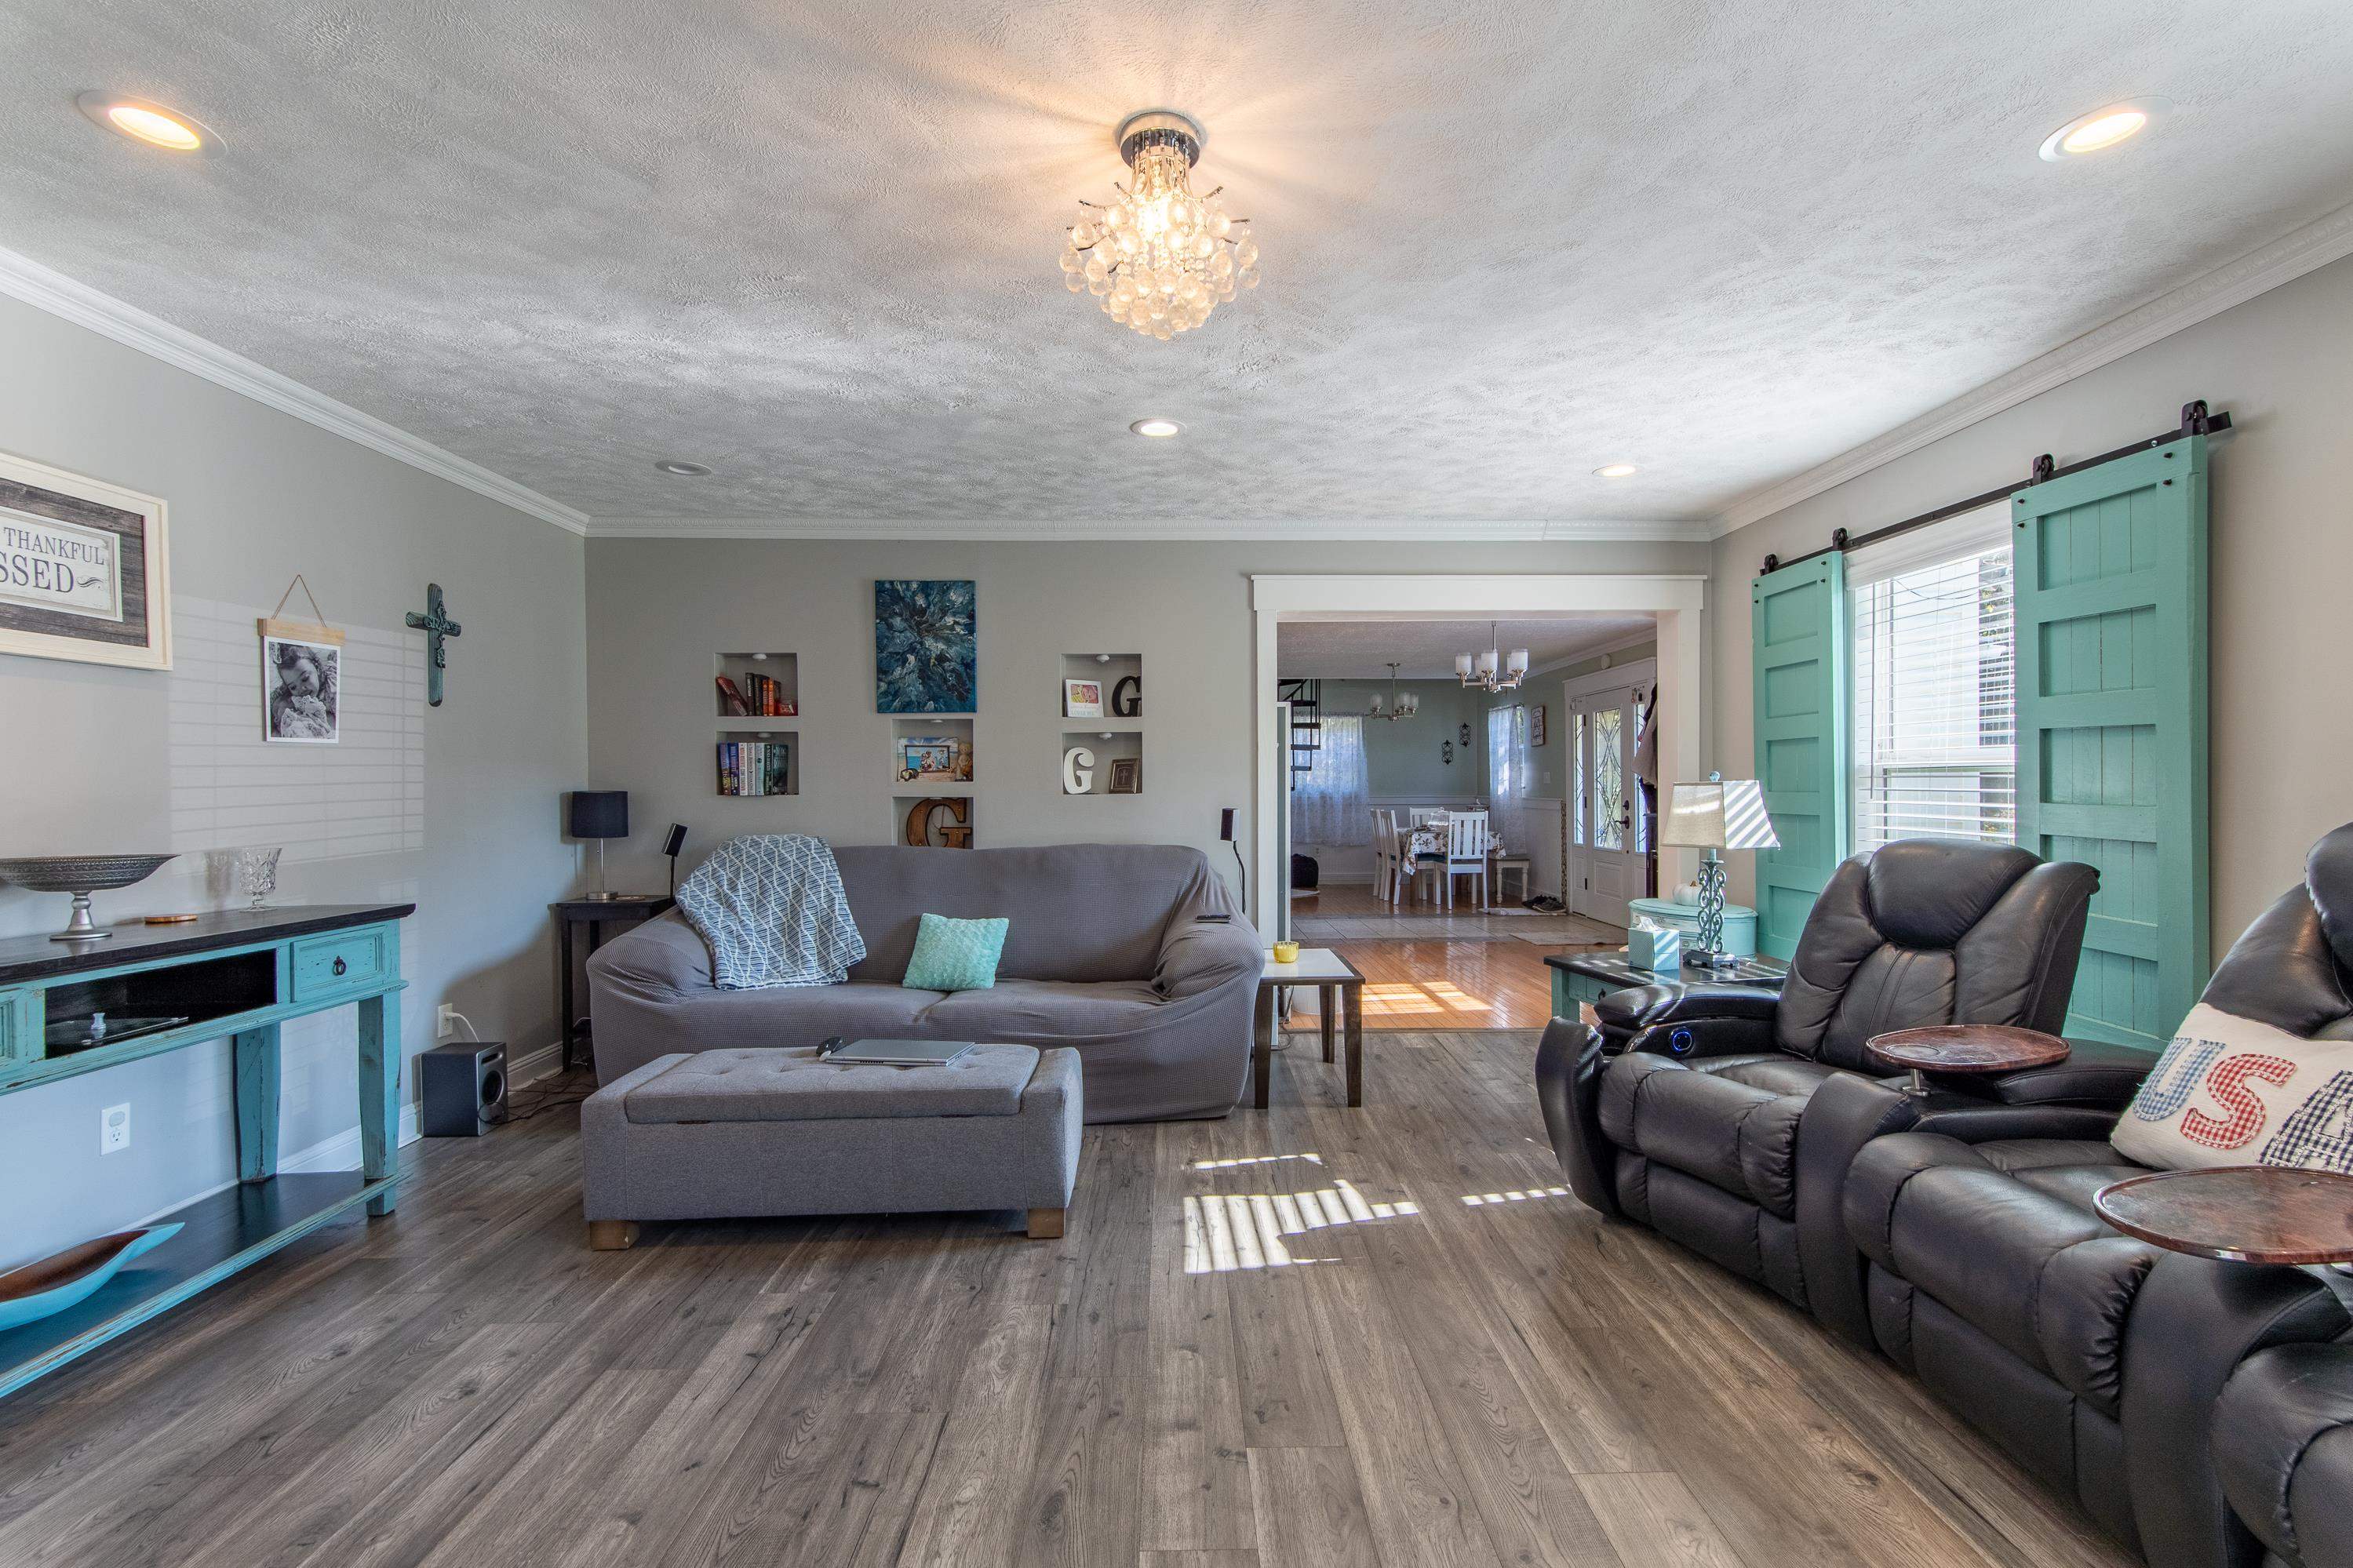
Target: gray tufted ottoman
732, 1135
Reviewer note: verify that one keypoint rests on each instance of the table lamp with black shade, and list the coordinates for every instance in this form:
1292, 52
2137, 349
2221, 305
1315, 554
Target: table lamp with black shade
600, 814
1720, 814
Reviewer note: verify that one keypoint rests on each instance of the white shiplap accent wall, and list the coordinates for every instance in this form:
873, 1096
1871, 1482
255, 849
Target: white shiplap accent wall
364, 796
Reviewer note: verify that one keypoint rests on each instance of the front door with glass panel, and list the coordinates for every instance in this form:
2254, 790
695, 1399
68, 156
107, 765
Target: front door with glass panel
1605, 852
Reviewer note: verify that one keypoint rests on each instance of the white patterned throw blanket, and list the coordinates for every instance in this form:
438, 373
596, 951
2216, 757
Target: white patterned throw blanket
772, 909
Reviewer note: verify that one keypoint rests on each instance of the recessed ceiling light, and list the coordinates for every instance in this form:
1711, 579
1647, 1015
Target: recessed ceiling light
1617, 470
149, 122
1156, 429
2101, 129
682, 470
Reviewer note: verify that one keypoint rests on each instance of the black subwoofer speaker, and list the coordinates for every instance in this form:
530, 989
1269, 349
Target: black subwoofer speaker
464, 1088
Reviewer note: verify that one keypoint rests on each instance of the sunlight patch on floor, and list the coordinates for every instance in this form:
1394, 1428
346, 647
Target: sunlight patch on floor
1513, 1195
1232, 1231
1253, 1160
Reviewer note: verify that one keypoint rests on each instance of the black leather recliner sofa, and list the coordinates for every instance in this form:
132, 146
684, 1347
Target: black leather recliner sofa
1698, 1108
2094, 1359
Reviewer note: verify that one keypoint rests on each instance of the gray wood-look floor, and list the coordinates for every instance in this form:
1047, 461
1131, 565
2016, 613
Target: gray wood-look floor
1283, 1339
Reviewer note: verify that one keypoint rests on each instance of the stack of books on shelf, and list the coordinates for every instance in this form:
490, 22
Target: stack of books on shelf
754, 767
759, 696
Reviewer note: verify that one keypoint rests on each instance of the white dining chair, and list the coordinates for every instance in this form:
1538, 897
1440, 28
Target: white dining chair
1421, 815
1466, 852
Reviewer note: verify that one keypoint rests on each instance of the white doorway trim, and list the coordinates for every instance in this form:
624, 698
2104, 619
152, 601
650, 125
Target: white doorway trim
1676, 600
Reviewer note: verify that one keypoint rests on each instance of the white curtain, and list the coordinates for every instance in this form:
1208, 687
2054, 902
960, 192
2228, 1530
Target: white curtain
1508, 769
1328, 804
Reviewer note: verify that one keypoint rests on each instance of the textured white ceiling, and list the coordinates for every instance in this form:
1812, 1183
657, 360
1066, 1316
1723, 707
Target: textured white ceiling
1425, 651
813, 245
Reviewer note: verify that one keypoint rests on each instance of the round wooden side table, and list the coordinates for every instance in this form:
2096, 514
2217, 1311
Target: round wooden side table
2243, 1214
1966, 1048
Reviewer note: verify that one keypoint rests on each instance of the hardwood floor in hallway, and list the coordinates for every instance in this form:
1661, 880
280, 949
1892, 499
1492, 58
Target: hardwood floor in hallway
1309, 1336
1426, 970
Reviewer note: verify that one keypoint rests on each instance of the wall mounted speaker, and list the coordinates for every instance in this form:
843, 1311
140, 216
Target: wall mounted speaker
464, 1089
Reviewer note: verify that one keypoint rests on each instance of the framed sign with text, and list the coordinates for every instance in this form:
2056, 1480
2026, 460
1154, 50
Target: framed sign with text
84, 573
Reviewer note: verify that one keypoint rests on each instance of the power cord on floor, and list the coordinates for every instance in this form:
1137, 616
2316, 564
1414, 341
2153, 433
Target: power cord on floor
551, 1093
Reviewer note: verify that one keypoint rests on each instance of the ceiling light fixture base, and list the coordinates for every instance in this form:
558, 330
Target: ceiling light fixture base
99, 106
1160, 128
2110, 125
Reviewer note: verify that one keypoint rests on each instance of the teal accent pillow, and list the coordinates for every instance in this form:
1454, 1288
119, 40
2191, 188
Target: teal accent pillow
956, 955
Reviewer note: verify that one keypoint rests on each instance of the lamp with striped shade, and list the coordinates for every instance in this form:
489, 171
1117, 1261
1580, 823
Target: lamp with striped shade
1721, 814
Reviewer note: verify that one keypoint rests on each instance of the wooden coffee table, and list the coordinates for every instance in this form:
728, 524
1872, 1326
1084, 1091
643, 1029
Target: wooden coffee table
2244, 1214
1965, 1049
1334, 979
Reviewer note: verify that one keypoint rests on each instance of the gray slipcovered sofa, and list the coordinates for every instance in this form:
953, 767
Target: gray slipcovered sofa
1106, 952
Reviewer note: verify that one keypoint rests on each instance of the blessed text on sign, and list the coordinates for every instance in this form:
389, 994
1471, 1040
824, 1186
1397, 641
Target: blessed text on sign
59, 566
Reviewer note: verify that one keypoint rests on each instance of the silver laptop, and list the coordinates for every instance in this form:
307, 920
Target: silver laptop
894, 1052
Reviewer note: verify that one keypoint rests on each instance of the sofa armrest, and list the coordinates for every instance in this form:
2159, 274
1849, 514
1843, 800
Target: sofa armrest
1569, 1061
1198, 956
2284, 1446
2096, 1073
2194, 1323
1695, 1037
1676, 1002
664, 954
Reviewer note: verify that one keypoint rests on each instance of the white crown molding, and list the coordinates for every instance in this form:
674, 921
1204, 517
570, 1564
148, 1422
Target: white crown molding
22, 278
2307, 249
1411, 530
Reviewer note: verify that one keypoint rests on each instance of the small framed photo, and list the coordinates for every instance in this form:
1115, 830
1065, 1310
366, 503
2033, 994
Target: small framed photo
1536, 726
302, 691
927, 759
1127, 775
1082, 700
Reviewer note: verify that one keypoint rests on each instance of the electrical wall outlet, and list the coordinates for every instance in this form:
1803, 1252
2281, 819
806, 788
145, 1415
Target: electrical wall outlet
115, 1129
444, 1021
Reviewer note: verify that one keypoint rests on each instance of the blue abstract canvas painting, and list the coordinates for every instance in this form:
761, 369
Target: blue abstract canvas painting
926, 653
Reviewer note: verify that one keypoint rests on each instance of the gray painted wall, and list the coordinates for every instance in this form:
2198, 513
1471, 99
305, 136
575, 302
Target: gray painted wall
255, 496
1403, 759
2282, 570
659, 609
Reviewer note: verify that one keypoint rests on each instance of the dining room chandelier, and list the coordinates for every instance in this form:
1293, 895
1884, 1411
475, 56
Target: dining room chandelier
1489, 671
1402, 704
1159, 258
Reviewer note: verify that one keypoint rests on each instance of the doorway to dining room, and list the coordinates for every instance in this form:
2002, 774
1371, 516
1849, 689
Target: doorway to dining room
1430, 806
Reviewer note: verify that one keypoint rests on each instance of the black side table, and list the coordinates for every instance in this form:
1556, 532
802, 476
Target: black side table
622, 908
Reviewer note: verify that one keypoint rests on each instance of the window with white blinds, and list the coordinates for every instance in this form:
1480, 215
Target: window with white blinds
1935, 698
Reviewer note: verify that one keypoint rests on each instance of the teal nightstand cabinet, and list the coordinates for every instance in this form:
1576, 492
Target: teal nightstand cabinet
69, 1008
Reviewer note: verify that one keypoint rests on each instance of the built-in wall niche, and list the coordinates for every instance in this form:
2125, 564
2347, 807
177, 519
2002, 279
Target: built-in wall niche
756, 685
937, 821
932, 754
1119, 680
1103, 762
754, 763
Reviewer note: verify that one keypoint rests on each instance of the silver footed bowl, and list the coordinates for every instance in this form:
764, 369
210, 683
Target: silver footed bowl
80, 875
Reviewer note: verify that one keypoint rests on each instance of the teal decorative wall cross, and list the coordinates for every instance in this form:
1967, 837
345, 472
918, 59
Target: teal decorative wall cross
436, 624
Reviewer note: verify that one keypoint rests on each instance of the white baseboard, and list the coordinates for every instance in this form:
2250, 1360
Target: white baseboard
342, 1151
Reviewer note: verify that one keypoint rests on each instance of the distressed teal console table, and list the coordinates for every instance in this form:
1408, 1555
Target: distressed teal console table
68, 1008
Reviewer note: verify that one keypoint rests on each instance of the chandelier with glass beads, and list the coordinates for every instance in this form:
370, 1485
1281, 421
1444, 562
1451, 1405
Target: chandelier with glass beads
1160, 259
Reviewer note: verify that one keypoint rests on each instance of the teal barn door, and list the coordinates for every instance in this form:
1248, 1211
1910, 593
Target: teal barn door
1798, 628
2112, 746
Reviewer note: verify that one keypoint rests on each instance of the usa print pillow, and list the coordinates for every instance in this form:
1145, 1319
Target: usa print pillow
2232, 1092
